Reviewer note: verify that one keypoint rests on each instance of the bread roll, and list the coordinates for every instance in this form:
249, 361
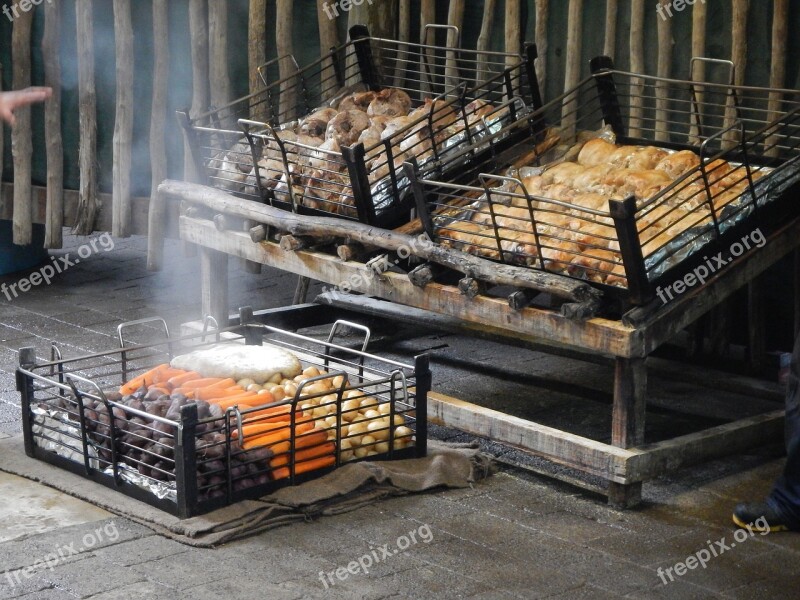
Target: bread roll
596, 152
679, 163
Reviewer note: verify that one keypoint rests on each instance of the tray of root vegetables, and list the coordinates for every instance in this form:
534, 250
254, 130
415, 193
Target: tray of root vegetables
255, 427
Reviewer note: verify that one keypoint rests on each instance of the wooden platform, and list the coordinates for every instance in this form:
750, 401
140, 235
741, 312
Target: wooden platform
627, 461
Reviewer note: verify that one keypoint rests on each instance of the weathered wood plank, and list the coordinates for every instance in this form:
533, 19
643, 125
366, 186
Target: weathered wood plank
699, 16
257, 54
663, 69
88, 205
21, 134
630, 390
777, 75
54, 147
325, 227
603, 336
123, 122
218, 64
214, 284
540, 38
637, 66
572, 450
572, 74
284, 21
198, 32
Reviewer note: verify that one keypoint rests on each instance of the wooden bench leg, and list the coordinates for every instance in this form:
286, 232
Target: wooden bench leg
628, 419
214, 284
301, 291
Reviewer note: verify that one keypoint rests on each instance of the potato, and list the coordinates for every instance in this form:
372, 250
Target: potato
385, 408
372, 414
368, 441
350, 409
360, 452
369, 402
330, 420
309, 372
245, 382
338, 381
403, 432
278, 393
347, 455
290, 389
371, 453
382, 447
378, 429
316, 388
354, 394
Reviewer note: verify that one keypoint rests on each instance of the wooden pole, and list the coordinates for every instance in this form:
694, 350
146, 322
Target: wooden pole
404, 35
88, 206
21, 137
663, 69
699, 16
427, 17
283, 39
257, 54
637, 65
123, 123
513, 28
198, 31
455, 18
777, 77
328, 39
739, 58
51, 54
158, 113
540, 35
610, 37
219, 75
573, 68
485, 38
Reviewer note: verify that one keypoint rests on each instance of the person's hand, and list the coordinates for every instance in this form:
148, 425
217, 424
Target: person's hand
10, 101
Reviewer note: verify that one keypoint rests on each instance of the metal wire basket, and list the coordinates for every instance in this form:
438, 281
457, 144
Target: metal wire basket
735, 150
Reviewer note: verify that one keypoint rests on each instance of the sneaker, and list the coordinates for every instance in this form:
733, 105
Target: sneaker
758, 516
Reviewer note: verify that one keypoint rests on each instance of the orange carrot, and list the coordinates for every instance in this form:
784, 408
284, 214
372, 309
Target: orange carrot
166, 374
214, 393
145, 379
282, 458
200, 383
279, 435
304, 467
254, 429
179, 380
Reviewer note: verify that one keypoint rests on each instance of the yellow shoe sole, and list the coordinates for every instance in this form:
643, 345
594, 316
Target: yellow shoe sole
742, 525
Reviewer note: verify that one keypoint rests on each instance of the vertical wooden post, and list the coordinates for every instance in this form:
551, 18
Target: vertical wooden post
628, 421
540, 35
123, 123
257, 54
87, 107
328, 38
51, 53
214, 284
219, 75
610, 36
513, 26
573, 67
777, 76
21, 136
699, 14
404, 35
739, 58
198, 31
664, 69
455, 18
158, 112
427, 17
283, 39
485, 38
637, 66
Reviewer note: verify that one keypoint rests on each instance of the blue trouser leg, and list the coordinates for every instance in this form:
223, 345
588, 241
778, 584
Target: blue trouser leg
785, 496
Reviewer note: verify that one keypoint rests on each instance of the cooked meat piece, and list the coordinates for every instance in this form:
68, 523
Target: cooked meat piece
596, 152
679, 163
358, 101
346, 127
390, 103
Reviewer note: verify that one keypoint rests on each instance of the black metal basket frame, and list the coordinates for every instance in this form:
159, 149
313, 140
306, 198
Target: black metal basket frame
73, 382
422, 70
742, 125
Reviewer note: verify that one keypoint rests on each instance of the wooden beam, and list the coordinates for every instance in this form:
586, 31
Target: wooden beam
610, 37
54, 146
777, 75
455, 18
158, 112
699, 16
663, 69
123, 122
284, 21
540, 38
87, 108
257, 54
566, 448
21, 134
218, 71
630, 390
513, 32
569, 114
603, 336
214, 284
739, 58
198, 35
636, 66
485, 38
71, 199
325, 227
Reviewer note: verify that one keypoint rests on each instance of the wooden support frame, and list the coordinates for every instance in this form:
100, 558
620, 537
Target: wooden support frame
626, 462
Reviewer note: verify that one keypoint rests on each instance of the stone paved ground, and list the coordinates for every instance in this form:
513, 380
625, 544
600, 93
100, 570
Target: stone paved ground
516, 535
